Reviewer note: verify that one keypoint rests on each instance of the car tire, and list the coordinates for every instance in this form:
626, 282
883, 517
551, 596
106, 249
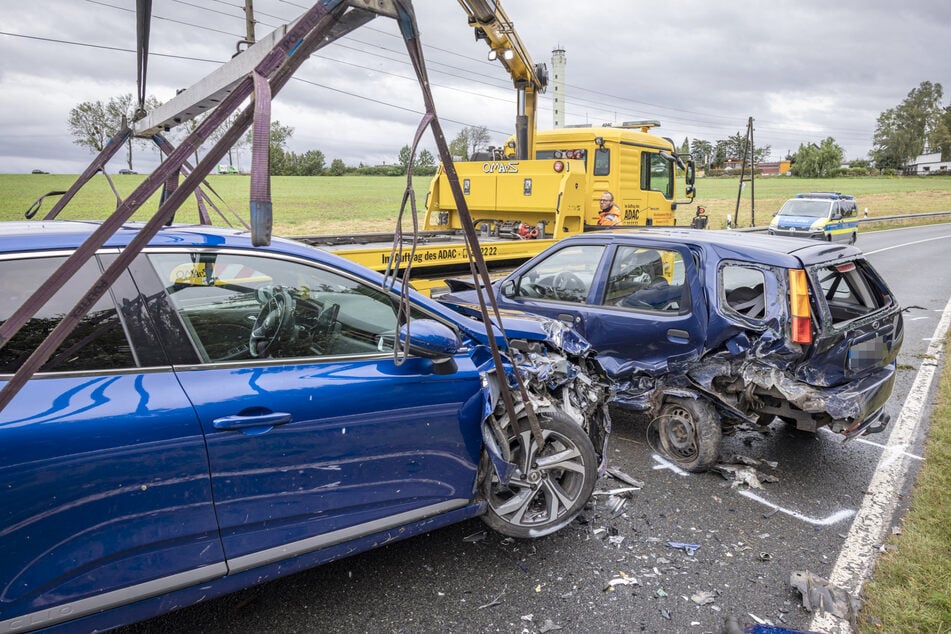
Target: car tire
688, 432
541, 499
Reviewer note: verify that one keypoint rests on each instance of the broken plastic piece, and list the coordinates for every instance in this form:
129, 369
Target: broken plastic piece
623, 477
818, 594
690, 549
703, 597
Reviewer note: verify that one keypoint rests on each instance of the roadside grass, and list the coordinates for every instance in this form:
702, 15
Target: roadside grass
910, 590
360, 204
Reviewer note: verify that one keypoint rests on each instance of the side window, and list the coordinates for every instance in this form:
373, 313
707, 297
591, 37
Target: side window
657, 174
602, 162
239, 307
99, 342
743, 290
565, 275
647, 279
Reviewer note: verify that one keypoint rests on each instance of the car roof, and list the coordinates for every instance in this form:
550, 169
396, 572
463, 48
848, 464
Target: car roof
743, 245
65, 235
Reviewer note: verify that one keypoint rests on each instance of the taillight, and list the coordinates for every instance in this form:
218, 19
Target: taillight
799, 306
558, 166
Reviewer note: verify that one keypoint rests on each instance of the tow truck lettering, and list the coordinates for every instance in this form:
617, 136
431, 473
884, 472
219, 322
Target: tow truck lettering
508, 167
632, 213
441, 255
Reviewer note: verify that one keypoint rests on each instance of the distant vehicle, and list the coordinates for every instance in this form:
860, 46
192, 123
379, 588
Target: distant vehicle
829, 216
225, 415
707, 329
227, 169
39, 172
127, 171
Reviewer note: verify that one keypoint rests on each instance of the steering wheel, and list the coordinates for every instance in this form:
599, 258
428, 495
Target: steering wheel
324, 327
567, 284
274, 318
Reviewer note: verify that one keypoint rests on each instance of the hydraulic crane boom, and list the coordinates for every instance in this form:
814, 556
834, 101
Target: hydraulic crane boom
491, 24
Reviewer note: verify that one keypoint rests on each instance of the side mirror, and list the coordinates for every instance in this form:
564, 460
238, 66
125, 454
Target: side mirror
508, 289
432, 340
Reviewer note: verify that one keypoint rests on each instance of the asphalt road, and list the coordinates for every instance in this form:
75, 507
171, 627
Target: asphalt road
467, 579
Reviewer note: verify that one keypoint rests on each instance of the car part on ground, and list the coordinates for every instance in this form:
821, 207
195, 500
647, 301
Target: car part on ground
755, 327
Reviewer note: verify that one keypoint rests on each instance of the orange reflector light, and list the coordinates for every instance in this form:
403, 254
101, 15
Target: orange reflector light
799, 306
558, 167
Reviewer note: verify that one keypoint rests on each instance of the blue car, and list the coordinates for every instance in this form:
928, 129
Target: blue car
227, 414
704, 330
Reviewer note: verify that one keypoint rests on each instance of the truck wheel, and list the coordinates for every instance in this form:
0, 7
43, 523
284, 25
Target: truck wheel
551, 486
688, 431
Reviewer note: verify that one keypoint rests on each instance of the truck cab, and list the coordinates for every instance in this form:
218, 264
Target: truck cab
829, 216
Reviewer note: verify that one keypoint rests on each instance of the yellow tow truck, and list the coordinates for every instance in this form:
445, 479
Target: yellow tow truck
541, 187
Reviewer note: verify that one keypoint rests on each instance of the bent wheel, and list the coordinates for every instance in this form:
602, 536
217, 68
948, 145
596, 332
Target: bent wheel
550, 487
688, 431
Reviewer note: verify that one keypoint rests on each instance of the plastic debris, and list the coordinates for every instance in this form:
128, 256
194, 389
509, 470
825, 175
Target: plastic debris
818, 594
623, 477
475, 537
660, 592
753, 462
703, 597
549, 626
690, 549
622, 579
664, 612
744, 475
493, 602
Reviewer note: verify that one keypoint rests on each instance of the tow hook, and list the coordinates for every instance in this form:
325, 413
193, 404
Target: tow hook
873, 426
883, 421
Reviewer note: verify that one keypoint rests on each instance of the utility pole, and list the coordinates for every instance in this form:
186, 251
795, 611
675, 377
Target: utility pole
249, 20
748, 157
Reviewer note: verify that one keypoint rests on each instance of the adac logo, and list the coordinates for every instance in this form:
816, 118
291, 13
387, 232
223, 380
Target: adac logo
500, 167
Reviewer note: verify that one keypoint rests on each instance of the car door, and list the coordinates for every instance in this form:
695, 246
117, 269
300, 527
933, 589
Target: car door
105, 495
315, 434
631, 300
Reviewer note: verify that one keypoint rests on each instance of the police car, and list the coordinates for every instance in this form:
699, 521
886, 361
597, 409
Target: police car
829, 216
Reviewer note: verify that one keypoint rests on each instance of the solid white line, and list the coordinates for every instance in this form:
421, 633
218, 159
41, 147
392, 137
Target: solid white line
663, 463
906, 244
858, 555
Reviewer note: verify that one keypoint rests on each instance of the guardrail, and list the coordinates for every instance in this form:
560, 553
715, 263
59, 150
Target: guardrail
932, 214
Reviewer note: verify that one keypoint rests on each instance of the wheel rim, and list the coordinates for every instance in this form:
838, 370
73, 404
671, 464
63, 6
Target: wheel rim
547, 484
678, 433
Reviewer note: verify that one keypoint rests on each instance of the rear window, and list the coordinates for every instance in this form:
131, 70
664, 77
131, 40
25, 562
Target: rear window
851, 290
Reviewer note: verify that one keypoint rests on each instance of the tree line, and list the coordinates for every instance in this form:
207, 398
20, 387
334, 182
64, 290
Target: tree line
919, 123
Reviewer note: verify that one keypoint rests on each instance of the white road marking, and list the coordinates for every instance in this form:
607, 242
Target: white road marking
916, 318
855, 562
663, 463
835, 518
906, 244
826, 430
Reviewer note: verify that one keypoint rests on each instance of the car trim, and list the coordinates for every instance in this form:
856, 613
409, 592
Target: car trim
304, 546
84, 607
100, 602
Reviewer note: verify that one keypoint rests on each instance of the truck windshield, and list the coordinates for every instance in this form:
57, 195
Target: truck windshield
801, 207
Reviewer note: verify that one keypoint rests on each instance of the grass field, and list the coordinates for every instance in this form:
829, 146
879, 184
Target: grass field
353, 204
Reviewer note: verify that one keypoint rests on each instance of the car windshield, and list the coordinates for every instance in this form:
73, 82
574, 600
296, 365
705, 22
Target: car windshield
802, 207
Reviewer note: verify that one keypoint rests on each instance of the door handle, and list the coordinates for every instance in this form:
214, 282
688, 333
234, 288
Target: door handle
677, 335
239, 421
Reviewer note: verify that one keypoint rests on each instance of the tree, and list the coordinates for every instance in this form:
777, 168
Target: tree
902, 132
425, 163
404, 157
93, 123
277, 141
88, 125
818, 161
703, 152
337, 168
478, 137
734, 148
459, 146
941, 137
685, 146
311, 163
426, 160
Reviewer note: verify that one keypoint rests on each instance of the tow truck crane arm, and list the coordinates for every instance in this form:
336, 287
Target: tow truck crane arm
492, 24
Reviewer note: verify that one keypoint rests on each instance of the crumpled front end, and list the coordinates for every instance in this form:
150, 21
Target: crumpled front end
558, 371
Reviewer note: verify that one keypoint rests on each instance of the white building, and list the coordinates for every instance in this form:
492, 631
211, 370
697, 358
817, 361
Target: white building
929, 163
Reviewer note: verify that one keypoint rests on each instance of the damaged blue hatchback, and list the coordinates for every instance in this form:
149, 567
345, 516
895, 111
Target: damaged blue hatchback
707, 329
227, 414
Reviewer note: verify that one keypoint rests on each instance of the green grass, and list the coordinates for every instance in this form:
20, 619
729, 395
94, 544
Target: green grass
910, 590
354, 204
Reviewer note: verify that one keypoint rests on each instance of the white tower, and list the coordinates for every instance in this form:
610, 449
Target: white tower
558, 62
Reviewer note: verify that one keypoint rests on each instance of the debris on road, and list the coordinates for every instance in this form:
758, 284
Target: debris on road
819, 594
616, 473
622, 579
690, 549
703, 597
742, 474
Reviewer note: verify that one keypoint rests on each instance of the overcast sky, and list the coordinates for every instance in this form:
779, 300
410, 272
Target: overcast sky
804, 70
